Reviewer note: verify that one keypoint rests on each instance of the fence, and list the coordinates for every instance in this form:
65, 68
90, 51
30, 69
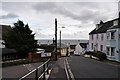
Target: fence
39, 72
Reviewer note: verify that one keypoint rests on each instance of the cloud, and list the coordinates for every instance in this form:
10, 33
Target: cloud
81, 11
9, 15
55, 8
77, 18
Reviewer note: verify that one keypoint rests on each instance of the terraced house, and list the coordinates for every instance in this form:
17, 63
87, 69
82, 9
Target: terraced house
106, 38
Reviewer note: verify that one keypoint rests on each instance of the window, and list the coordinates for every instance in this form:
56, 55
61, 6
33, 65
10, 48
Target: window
112, 51
108, 35
92, 36
102, 36
108, 50
97, 36
112, 35
101, 47
92, 45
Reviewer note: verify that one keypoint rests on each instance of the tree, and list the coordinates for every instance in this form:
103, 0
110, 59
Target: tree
21, 38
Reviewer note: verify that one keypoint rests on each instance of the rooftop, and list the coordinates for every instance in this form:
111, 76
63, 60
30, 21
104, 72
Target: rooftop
105, 26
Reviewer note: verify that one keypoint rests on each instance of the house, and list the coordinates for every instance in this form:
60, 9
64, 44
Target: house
97, 37
72, 49
113, 42
63, 49
106, 38
84, 46
78, 50
48, 50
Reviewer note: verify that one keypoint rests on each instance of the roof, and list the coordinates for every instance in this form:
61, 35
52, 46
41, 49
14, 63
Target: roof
58, 45
62, 45
83, 45
105, 26
4, 29
72, 46
48, 48
8, 51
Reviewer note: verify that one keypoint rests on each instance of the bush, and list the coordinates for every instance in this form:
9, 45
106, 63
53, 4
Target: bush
101, 55
88, 53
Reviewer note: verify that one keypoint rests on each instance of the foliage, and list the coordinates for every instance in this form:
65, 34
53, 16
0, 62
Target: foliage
20, 37
89, 53
98, 54
101, 55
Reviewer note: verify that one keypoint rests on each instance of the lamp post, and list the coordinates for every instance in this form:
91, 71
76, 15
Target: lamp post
60, 38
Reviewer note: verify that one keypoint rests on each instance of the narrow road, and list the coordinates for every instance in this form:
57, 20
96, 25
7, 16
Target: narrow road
16, 72
88, 68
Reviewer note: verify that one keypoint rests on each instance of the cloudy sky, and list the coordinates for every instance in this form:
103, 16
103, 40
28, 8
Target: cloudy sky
78, 18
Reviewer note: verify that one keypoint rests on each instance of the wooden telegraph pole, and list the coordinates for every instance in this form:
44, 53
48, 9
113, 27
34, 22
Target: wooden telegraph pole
55, 38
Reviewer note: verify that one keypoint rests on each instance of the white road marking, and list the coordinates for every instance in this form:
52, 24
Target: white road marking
69, 69
29, 67
66, 70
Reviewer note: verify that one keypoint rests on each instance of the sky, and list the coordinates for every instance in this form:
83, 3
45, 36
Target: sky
78, 17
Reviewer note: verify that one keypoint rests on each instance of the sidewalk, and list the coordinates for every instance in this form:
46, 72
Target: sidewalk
58, 70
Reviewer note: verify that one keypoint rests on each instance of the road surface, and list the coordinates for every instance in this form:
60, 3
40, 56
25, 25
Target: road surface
82, 67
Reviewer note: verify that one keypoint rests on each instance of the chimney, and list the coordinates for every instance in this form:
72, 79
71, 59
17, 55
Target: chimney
99, 25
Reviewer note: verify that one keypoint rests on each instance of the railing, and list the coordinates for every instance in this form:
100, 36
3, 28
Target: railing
42, 69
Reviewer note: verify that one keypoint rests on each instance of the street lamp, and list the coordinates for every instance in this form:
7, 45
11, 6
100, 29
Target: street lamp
60, 38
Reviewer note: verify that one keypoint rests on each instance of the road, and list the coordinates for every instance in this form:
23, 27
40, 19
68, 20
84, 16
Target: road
82, 67
16, 72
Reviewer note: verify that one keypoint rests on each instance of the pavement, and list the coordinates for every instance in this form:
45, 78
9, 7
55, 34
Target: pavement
84, 68
58, 70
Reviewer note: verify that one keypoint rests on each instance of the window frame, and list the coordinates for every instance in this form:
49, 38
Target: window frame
101, 47
102, 37
92, 37
112, 35
112, 53
92, 46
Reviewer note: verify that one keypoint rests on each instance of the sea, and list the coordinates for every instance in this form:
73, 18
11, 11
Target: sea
64, 41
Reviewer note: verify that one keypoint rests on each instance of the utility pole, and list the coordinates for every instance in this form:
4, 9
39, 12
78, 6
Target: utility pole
60, 42
55, 38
